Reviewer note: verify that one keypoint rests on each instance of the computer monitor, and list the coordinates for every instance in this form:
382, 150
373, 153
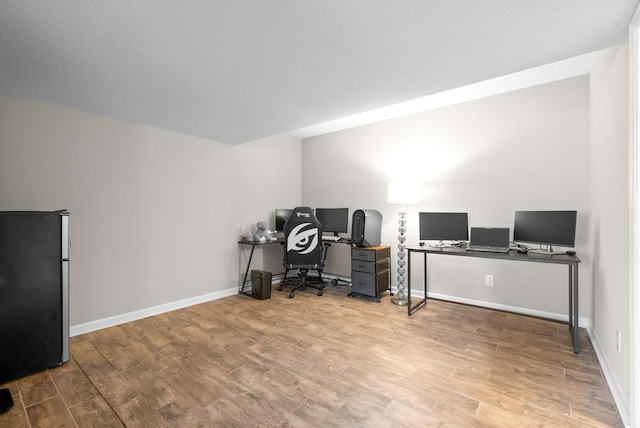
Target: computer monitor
282, 215
443, 226
334, 220
545, 228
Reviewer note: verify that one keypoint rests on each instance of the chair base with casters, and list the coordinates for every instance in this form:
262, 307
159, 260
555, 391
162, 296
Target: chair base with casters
303, 279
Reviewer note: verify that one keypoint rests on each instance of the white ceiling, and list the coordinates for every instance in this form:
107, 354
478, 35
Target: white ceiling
236, 71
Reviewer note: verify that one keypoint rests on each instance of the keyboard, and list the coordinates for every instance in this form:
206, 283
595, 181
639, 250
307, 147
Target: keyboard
488, 249
330, 238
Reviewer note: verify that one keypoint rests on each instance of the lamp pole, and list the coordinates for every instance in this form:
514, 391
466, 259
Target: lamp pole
400, 298
402, 192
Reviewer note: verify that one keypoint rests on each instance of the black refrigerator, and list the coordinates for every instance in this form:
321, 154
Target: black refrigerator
34, 292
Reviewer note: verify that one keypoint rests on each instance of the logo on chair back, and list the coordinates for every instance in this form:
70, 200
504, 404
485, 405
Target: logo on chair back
303, 240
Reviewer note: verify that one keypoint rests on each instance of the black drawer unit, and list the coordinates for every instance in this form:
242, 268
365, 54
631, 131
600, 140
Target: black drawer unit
369, 267
370, 271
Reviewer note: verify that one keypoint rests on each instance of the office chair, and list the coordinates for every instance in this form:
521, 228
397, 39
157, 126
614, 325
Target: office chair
303, 250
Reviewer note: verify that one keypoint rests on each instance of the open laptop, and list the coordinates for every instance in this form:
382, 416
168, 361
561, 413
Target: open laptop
492, 239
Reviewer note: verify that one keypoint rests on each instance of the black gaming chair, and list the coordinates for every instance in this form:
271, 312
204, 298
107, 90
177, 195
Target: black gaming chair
303, 250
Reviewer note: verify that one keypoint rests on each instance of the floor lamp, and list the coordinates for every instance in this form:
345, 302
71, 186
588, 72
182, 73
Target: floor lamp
402, 192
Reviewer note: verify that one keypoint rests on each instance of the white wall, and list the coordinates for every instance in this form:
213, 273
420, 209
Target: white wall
609, 209
523, 150
154, 215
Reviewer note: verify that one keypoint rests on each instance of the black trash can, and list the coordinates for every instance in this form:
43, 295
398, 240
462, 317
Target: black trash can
261, 284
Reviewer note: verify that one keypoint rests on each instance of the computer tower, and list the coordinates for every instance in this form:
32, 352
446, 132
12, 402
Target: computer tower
366, 228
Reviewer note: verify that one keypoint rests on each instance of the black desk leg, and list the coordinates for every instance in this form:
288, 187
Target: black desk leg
423, 302
426, 279
246, 272
573, 283
574, 319
570, 298
408, 282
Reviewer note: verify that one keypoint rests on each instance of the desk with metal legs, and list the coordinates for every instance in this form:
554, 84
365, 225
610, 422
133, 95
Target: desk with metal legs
514, 255
254, 244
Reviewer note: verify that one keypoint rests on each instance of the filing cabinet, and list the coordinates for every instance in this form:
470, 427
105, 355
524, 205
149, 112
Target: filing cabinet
370, 271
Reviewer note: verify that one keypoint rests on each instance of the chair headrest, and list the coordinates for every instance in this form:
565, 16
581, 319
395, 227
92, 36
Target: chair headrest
302, 231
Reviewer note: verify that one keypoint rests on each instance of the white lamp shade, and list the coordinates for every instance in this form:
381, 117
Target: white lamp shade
403, 192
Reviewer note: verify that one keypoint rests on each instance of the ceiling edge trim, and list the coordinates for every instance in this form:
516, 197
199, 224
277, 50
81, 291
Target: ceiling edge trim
572, 67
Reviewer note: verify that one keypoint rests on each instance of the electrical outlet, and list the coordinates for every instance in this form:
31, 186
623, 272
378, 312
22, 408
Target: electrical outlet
489, 280
618, 342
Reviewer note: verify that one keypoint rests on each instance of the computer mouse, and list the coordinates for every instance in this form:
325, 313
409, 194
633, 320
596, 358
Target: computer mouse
522, 250
571, 253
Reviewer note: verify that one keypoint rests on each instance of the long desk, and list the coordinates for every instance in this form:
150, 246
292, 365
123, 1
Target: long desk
513, 255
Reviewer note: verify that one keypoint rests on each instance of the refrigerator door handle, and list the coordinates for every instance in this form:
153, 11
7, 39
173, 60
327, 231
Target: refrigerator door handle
64, 261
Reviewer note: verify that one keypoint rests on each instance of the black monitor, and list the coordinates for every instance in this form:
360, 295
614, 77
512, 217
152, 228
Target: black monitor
282, 215
334, 220
443, 226
546, 228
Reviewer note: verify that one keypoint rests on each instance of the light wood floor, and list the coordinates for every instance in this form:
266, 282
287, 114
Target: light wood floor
318, 362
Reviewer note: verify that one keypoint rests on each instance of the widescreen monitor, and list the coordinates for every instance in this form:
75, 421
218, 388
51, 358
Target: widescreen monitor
443, 226
334, 220
282, 215
546, 228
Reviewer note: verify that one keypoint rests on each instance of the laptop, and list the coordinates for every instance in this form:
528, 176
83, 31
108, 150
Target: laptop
492, 239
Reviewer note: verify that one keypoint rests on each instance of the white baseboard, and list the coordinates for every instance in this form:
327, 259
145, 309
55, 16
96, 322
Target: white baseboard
79, 329
618, 397
621, 403
76, 330
582, 322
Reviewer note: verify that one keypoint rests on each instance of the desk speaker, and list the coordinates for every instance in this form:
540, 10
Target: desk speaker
366, 228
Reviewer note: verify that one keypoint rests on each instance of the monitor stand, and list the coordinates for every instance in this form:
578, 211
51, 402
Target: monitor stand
441, 244
548, 250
